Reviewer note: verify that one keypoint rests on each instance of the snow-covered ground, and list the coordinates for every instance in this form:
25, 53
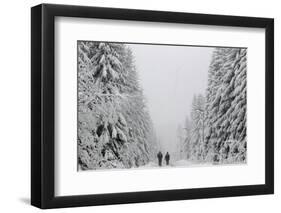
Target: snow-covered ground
179, 163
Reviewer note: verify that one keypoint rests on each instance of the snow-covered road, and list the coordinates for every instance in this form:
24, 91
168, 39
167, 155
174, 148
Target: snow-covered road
179, 163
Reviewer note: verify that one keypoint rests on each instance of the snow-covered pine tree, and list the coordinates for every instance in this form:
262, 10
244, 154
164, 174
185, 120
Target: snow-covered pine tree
181, 142
143, 142
225, 139
107, 89
198, 126
186, 148
98, 119
195, 129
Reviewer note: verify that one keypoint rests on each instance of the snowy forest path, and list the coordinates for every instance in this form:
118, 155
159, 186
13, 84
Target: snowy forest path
178, 163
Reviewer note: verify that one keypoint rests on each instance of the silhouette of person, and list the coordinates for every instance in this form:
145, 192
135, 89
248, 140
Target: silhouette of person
159, 156
167, 158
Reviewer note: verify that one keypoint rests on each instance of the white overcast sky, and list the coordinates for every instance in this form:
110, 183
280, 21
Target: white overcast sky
170, 76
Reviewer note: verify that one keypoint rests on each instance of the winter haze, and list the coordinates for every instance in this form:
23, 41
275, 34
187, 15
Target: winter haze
181, 72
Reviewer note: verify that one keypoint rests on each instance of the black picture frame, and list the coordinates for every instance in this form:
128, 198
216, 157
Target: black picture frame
43, 105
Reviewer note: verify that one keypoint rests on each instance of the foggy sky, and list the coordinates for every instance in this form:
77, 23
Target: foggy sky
169, 77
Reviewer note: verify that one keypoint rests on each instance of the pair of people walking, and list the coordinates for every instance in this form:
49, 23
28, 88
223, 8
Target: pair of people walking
160, 156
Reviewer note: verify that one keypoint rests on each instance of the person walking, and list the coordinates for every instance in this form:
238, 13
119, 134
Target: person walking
159, 156
167, 158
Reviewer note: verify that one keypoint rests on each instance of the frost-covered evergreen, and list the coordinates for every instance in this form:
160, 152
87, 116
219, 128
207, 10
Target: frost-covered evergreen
114, 126
193, 146
181, 136
216, 131
187, 143
226, 106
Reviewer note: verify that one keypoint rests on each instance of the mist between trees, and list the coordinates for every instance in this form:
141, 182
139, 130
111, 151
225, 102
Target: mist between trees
115, 129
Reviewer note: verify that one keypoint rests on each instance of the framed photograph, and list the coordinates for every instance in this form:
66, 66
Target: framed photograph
139, 106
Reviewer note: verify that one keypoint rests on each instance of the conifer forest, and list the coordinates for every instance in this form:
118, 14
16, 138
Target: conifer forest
139, 105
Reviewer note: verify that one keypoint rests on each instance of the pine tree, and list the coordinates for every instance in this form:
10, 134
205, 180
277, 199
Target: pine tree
198, 124
216, 131
114, 126
181, 142
226, 106
187, 140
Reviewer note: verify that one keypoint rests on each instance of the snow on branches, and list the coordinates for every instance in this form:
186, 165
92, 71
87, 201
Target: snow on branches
216, 129
114, 126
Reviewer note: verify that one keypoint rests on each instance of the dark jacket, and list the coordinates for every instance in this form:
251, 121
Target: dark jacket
167, 157
159, 155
